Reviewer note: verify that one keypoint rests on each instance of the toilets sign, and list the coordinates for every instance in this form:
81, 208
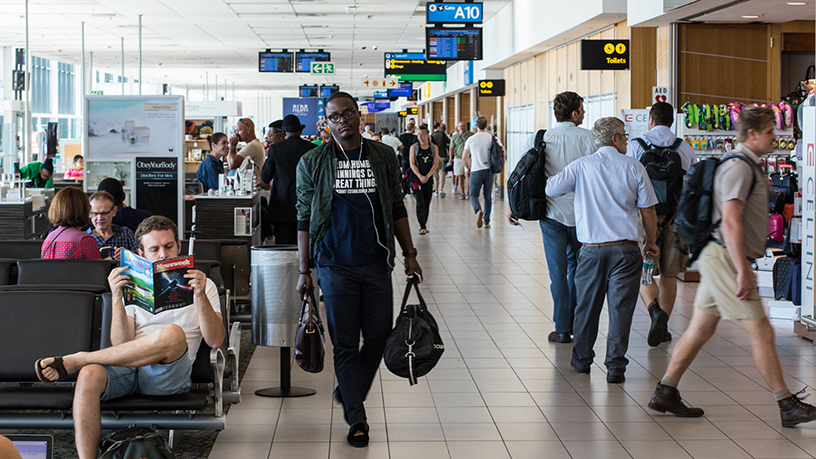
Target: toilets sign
604, 54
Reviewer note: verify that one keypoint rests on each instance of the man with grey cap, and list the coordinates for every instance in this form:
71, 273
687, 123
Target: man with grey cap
280, 170
610, 190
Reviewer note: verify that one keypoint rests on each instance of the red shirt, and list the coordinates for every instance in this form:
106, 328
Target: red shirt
69, 243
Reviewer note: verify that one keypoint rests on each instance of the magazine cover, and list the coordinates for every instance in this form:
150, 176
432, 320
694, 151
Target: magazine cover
159, 286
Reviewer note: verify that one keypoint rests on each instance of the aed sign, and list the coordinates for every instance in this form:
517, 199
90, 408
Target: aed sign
453, 13
660, 94
491, 88
604, 54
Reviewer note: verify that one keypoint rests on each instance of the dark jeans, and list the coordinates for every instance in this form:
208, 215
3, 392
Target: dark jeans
423, 201
479, 179
561, 248
285, 232
358, 299
613, 272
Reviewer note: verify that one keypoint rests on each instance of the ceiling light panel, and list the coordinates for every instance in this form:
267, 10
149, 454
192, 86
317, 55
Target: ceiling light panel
248, 8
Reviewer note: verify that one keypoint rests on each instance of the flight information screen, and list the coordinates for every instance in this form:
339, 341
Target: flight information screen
328, 90
308, 91
454, 44
274, 62
304, 60
404, 90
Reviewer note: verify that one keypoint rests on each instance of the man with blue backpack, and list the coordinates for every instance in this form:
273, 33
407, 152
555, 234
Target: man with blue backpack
666, 159
729, 220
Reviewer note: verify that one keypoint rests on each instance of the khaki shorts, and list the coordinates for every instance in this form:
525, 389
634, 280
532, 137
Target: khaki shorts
669, 261
717, 293
458, 166
440, 168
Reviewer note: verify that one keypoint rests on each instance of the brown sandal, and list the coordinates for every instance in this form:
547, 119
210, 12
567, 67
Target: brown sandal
57, 364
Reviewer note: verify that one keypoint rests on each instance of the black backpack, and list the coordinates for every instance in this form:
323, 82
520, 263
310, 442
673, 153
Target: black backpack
692, 223
525, 186
665, 169
496, 157
414, 346
135, 443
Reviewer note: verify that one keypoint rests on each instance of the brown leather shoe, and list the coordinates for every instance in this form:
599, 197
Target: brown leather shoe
556, 337
794, 411
667, 398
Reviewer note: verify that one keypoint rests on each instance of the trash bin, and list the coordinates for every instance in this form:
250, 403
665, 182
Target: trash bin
276, 309
275, 302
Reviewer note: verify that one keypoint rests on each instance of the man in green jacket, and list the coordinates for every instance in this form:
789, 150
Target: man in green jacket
39, 173
350, 207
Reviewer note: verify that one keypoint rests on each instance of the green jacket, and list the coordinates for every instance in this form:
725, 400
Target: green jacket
315, 190
31, 171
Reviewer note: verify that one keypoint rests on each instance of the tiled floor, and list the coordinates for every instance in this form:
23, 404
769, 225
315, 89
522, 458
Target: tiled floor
501, 390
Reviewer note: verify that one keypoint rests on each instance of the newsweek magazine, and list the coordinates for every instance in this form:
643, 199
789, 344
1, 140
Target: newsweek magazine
159, 286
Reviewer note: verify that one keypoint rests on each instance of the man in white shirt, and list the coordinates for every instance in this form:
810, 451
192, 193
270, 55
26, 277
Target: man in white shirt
245, 132
477, 155
151, 354
610, 190
391, 141
566, 142
659, 296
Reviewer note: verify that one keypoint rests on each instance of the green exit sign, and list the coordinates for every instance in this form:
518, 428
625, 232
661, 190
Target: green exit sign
97, 93
322, 68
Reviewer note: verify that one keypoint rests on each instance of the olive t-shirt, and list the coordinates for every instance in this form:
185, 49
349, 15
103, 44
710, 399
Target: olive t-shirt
733, 181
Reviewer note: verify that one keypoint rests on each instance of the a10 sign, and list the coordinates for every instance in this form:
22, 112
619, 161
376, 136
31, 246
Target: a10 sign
322, 68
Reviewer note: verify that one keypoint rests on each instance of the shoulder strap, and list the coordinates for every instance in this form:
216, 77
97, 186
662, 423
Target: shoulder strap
643, 144
676, 144
539, 138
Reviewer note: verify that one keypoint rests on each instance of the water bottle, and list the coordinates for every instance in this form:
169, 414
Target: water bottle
648, 265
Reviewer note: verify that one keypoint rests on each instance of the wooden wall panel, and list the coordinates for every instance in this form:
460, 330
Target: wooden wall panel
437, 113
643, 52
450, 116
487, 107
531, 81
724, 62
523, 74
573, 52
561, 69
552, 74
464, 107
542, 93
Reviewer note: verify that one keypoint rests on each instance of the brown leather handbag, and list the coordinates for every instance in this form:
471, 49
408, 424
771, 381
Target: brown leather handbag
310, 346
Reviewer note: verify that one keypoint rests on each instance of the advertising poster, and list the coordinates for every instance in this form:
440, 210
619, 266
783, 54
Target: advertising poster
157, 185
308, 110
807, 181
138, 125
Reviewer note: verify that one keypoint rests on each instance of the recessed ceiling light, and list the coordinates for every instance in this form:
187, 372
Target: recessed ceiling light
796, 3
750, 17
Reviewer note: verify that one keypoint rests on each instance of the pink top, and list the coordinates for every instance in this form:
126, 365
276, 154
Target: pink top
73, 174
69, 243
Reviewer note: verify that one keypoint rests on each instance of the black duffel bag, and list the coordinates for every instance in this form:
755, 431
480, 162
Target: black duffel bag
414, 346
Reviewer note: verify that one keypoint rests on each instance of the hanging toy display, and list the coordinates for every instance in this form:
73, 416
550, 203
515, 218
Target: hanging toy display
688, 114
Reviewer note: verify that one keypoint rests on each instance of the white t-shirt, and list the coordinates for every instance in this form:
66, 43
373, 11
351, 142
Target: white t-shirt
392, 142
479, 146
186, 318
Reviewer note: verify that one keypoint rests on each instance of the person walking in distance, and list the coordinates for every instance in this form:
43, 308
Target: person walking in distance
611, 189
566, 142
659, 296
461, 178
424, 162
441, 140
477, 155
350, 207
728, 286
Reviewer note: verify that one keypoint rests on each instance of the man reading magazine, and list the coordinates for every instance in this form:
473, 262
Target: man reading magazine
151, 354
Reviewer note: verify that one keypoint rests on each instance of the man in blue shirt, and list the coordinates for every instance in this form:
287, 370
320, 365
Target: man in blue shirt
213, 163
659, 296
610, 189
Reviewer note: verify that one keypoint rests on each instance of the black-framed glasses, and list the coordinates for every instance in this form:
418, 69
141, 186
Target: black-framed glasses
347, 115
101, 214
623, 134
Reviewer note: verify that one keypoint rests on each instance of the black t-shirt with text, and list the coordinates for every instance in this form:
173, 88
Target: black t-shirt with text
351, 237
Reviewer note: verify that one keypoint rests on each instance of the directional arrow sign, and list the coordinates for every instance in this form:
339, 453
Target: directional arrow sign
322, 68
380, 83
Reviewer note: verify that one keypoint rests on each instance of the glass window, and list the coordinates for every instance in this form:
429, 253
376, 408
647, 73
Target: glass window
40, 85
66, 89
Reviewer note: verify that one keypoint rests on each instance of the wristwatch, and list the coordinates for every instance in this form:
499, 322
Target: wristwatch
411, 251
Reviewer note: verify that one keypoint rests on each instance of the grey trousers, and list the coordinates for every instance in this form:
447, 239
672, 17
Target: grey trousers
613, 272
